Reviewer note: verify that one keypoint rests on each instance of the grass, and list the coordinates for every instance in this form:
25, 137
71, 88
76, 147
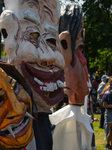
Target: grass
99, 134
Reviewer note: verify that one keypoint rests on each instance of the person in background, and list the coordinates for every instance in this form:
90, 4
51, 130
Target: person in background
105, 91
88, 108
90, 112
101, 86
96, 82
85, 106
107, 104
93, 94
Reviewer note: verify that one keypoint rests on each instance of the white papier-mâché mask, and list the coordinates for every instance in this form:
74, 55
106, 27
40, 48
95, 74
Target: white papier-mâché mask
30, 29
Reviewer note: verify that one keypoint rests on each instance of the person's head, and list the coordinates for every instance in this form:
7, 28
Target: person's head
97, 78
30, 29
72, 42
104, 78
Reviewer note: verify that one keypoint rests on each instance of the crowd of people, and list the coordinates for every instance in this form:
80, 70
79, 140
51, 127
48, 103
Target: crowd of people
99, 101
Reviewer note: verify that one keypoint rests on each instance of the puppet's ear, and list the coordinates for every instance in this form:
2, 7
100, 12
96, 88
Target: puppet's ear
8, 23
65, 40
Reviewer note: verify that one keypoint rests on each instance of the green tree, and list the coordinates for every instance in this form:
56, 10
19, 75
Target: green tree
98, 37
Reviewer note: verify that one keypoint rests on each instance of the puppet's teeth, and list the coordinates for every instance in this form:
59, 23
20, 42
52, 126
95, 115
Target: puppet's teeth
10, 130
50, 86
43, 88
38, 81
55, 86
60, 84
29, 115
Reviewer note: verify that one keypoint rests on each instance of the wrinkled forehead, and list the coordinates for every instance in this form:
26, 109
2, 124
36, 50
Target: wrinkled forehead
38, 11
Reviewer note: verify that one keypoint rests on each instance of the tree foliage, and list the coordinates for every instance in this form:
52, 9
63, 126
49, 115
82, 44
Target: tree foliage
98, 37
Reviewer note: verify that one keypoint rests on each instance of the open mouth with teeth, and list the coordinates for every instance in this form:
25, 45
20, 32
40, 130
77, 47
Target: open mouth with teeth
15, 130
49, 85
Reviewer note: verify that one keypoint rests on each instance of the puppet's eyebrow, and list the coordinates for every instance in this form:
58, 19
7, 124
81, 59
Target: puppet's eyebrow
48, 10
31, 16
29, 1
50, 28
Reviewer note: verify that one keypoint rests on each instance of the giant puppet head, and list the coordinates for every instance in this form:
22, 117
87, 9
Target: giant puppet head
72, 41
15, 108
30, 29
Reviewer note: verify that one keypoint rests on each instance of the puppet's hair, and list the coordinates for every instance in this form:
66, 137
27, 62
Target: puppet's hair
71, 20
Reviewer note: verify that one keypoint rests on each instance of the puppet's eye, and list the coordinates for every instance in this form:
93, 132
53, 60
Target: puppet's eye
64, 44
35, 35
2, 96
4, 33
16, 88
51, 43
